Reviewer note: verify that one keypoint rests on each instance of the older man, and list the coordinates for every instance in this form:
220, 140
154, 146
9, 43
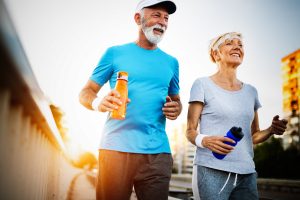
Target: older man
135, 152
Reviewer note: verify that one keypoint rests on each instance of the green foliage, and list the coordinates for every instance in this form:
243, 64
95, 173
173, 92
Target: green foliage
272, 161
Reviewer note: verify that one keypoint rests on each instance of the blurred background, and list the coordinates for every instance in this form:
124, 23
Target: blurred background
51, 47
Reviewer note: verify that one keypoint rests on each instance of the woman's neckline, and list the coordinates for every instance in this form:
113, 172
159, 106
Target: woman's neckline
224, 89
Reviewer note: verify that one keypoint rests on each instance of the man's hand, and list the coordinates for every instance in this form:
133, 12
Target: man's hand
278, 126
111, 102
217, 145
171, 109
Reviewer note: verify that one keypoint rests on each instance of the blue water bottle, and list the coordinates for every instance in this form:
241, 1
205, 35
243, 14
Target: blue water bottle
234, 133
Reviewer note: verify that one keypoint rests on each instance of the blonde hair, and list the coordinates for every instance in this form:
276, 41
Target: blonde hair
217, 41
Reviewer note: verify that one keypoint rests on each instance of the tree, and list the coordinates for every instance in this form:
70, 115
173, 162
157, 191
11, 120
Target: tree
272, 161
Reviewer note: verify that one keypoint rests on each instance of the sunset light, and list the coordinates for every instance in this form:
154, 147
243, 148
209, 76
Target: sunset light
50, 139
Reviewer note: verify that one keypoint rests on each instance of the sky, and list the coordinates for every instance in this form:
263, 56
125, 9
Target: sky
64, 40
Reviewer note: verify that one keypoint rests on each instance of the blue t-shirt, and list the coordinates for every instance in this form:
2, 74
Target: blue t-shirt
152, 75
222, 110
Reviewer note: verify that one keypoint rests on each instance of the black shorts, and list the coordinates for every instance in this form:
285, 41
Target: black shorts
119, 172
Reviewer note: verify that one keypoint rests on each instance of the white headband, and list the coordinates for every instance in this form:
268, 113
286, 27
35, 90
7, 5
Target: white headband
228, 36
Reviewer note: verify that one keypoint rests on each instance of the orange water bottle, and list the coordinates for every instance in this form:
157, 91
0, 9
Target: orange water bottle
121, 87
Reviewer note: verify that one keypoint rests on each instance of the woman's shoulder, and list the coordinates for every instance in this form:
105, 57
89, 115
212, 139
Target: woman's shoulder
250, 87
201, 83
203, 79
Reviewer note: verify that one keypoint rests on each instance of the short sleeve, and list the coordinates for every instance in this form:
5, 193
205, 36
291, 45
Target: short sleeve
257, 104
104, 69
197, 91
174, 84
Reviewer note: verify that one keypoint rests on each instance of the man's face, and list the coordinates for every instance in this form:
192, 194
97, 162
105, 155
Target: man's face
154, 23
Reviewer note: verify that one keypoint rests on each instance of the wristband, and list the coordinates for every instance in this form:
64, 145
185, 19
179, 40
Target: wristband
199, 139
96, 103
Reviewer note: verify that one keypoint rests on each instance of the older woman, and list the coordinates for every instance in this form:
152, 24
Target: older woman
218, 103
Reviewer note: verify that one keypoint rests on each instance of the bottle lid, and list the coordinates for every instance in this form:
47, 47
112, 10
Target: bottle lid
237, 132
122, 75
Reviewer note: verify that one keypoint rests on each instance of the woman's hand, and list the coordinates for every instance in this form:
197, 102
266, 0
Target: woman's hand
217, 145
278, 126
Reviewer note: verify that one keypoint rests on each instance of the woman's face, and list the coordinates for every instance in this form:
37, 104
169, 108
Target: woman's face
231, 52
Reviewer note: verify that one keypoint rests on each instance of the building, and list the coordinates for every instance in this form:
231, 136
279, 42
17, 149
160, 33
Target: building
290, 66
183, 151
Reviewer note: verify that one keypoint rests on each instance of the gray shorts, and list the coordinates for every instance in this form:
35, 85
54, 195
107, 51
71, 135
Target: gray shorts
119, 172
212, 184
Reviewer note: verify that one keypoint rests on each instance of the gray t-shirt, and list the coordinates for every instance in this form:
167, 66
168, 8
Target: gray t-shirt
222, 110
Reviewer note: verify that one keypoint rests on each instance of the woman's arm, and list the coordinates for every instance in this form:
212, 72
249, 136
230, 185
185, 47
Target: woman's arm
277, 127
214, 143
194, 112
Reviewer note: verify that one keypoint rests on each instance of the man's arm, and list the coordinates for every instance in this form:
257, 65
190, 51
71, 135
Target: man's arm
172, 108
88, 95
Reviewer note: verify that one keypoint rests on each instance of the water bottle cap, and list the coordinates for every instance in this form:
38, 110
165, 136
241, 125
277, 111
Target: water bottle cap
122, 76
237, 132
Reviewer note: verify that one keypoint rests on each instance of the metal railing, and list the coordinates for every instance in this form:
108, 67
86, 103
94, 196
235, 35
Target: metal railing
277, 189
34, 163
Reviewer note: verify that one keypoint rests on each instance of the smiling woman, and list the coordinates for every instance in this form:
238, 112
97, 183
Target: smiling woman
226, 39
218, 103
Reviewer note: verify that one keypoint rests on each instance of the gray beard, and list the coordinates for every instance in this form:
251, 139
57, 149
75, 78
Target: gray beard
151, 37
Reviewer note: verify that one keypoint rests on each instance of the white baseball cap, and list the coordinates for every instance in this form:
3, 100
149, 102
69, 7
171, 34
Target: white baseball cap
169, 5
